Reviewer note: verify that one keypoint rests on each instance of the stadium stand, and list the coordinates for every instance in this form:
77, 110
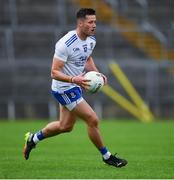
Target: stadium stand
29, 30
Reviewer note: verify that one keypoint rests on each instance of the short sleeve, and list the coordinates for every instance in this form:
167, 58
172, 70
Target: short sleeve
61, 51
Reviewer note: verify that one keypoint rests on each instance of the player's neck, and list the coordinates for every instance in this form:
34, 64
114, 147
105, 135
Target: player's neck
81, 35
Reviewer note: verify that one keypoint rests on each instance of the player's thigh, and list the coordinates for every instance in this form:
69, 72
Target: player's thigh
66, 117
85, 112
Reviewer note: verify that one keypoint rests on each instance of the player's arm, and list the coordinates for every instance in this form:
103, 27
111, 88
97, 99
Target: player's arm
56, 73
90, 66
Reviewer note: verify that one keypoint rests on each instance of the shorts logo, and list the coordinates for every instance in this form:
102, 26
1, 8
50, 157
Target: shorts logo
72, 94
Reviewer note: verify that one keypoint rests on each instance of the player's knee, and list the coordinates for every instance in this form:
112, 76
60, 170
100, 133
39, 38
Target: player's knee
66, 128
93, 120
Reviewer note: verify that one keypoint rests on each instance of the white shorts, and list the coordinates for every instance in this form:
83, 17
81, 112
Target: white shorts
72, 105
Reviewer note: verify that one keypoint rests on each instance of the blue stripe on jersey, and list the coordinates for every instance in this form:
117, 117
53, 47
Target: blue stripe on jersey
93, 37
72, 42
70, 39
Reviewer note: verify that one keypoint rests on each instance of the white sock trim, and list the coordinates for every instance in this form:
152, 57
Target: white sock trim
35, 139
107, 155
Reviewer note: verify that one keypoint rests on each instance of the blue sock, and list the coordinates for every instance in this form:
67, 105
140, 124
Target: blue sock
103, 150
105, 153
38, 137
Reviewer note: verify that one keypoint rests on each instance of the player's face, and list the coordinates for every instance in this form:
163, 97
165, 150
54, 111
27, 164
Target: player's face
88, 25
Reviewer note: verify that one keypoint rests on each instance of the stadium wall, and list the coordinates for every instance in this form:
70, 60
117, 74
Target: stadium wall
28, 32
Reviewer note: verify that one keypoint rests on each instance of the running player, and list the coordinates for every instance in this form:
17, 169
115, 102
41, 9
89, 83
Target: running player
72, 57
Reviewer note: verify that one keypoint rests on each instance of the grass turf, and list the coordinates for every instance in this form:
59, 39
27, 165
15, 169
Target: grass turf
149, 148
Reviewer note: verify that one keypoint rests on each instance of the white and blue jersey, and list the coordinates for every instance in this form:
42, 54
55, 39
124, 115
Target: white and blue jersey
74, 52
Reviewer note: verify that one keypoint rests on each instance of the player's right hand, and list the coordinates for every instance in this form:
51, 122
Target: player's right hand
81, 81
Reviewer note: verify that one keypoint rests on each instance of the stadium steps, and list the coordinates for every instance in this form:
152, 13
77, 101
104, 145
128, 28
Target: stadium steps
40, 12
151, 46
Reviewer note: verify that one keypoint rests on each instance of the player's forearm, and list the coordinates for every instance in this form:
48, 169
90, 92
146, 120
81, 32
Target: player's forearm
90, 65
91, 68
57, 75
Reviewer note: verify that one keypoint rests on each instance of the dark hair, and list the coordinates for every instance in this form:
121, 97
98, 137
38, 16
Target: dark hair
84, 11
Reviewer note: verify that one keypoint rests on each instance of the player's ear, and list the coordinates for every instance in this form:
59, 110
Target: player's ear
80, 22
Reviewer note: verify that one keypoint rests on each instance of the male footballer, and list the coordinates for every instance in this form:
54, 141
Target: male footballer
71, 58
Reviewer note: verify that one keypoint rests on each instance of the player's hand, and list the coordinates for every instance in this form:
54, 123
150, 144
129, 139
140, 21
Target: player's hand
81, 81
104, 78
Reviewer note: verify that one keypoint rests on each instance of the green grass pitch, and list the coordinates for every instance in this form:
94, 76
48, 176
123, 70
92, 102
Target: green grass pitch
149, 149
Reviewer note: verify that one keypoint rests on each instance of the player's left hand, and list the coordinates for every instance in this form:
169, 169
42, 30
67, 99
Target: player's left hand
104, 78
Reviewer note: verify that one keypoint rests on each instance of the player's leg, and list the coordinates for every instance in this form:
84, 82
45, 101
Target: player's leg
65, 124
68, 100
84, 111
